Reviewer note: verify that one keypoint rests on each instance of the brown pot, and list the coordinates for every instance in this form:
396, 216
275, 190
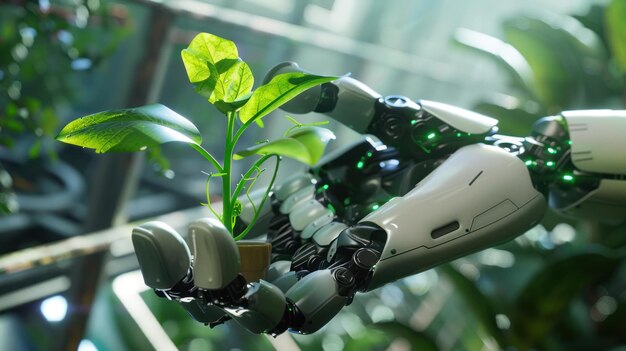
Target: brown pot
255, 259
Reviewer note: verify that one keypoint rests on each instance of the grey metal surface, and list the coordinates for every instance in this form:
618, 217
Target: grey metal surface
286, 281
317, 297
328, 233
316, 225
306, 213
464, 120
302, 195
163, 256
277, 269
292, 185
266, 305
215, 254
201, 312
355, 104
606, 203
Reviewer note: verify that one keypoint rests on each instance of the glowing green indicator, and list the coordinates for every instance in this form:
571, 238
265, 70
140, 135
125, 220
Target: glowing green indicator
458, 134
569, 142
369, 154
360, 164
568, 178
528, 163
431, 136
375, 207
332, 208
326, 186
549, 163
551, 151
346, 201
413, 122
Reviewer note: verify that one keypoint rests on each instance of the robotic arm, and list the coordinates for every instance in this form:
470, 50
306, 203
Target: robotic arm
430, 184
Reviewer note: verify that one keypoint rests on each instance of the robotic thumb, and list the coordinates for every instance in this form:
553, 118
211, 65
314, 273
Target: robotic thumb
216, 257
163, 256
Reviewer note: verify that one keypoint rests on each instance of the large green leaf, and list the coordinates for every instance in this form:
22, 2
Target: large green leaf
304, 144
479, 303
504, 53
566, 58
215, 70
213, 48
543, 301
278, 91
130, 130
378, 336
616, 31
512, 119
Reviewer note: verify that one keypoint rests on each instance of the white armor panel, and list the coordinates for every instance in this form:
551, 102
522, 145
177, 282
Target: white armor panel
598, 140
479, 197
464, 120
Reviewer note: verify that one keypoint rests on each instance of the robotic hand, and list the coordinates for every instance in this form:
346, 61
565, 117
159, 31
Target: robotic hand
430, 183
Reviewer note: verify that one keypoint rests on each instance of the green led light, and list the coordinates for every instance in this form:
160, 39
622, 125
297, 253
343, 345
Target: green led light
375, 207
568, 178
332, 208
369, 154
569, 142
431, 135
346, 202
551, 151
528, 163
458, 134
549, 163
326, 186
360, 164
413, 122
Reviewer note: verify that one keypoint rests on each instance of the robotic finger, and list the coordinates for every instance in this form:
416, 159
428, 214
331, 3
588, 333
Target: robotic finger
165, 263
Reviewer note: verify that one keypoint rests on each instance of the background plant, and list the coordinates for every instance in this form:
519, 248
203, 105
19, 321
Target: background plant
560, 294
43, 48
214, 68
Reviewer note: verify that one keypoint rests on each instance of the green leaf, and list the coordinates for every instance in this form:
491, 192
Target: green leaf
305, 145
379, 336
550, 291
476, 301
217, 73
278, 91
130, 130
616, 31
513, 118
565, 58
505, 54
213, 48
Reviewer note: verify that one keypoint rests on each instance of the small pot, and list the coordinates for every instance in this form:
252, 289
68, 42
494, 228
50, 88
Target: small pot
255, 259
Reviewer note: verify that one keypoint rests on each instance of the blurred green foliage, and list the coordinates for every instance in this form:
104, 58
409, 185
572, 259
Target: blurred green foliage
575, 297
44, 46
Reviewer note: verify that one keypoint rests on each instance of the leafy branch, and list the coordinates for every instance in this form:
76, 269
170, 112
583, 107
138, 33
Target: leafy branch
217, 73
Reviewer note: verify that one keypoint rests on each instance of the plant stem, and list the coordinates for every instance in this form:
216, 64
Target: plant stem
208, 157
226, 179
267, 191
241, 130
247, 175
